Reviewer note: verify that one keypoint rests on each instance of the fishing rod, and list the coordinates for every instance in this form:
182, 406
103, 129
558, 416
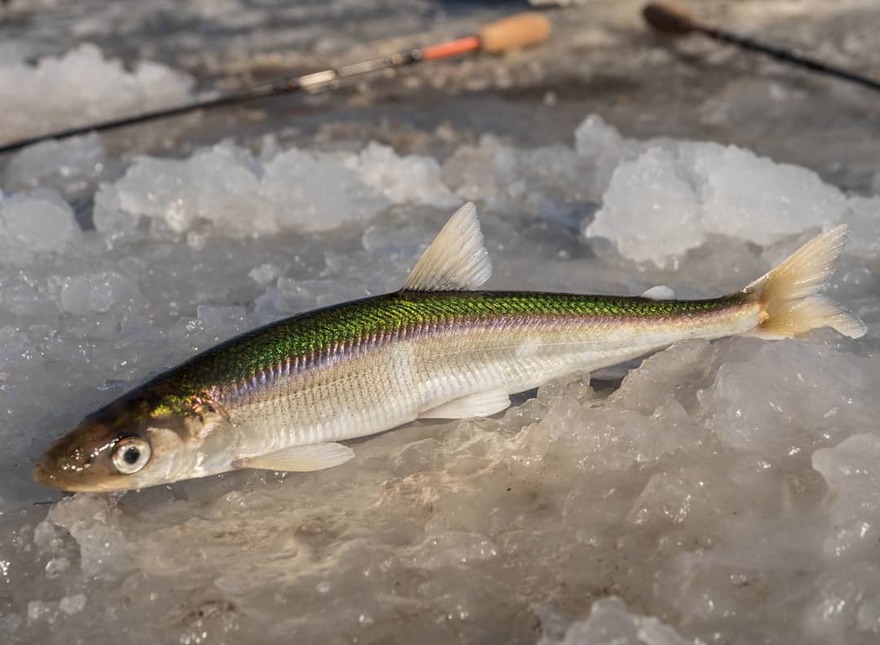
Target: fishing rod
515, 32
674, 21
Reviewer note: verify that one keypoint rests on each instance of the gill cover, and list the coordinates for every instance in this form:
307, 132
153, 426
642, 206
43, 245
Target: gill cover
138, 440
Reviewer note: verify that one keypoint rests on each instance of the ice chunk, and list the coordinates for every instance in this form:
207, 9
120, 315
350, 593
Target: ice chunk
650, 211
788, 396
56, 566
79, 87
72, 604
14, 347
673, 196
618, 440
451, 549
317, 192
754, 199
864, 223
686, 496
505, 177
844, 606
611, 622
481, 172
410, 179
264, 274
94, 292
40, 222
852, 470
218, 184
594, 137
289, 296
603, 148
92, 521
41, 611
236, 195
222, 320
60, 164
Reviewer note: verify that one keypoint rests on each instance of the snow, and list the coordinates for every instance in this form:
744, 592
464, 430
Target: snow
715, 492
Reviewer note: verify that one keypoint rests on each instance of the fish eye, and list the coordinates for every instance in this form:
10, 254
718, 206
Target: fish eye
130, 455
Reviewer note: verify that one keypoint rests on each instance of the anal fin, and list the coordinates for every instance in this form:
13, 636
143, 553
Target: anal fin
300, 458
481, 404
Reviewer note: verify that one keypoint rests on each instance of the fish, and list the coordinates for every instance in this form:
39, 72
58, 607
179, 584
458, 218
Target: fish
284, 397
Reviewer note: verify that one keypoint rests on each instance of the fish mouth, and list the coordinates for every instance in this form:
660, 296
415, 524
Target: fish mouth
44, 476
47, 474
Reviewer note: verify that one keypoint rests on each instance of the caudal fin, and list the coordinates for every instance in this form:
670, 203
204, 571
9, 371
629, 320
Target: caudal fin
789, 294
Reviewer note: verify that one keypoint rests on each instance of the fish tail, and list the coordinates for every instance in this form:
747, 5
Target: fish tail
791, 304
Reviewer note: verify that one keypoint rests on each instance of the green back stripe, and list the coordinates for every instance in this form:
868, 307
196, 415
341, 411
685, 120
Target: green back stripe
312, 333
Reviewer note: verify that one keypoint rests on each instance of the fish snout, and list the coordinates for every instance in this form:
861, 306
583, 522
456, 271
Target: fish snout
67, 463
42, 473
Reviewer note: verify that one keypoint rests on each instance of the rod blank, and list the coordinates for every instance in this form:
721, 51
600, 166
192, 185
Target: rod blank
674, 21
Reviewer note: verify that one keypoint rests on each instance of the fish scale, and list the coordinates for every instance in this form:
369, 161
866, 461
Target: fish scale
446, 345
331, 333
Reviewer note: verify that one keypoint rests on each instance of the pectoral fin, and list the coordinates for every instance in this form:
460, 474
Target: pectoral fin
300, 458
481, 404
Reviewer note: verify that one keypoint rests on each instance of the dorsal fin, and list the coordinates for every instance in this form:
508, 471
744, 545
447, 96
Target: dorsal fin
456, 260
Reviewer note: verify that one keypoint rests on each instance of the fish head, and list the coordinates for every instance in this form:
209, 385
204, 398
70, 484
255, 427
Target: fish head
142, 439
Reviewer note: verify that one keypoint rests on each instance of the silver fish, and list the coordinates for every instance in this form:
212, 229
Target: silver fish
284, 396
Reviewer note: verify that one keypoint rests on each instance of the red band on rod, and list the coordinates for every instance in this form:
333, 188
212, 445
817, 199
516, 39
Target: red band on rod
453, 48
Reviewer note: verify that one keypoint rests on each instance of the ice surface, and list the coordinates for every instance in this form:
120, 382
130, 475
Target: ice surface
716, 492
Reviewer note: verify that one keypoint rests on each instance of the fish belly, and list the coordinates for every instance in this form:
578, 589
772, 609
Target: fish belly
393, 383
